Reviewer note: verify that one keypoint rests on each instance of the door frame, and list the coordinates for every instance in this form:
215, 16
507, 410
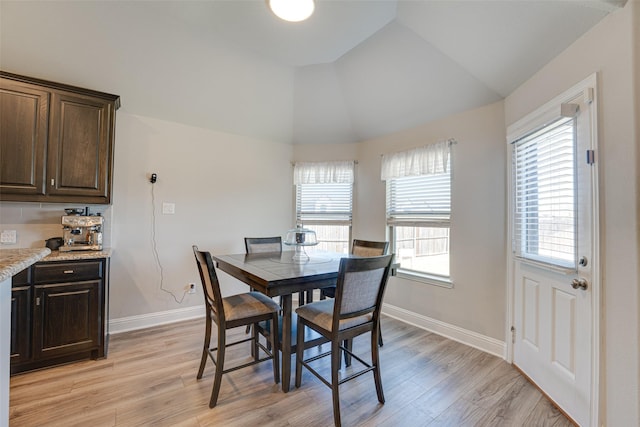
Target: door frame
589, 86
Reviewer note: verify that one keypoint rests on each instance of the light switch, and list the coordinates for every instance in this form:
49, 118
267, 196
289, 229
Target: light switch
9, 237
168, 208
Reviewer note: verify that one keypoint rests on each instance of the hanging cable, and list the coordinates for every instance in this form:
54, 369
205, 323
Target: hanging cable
154, 246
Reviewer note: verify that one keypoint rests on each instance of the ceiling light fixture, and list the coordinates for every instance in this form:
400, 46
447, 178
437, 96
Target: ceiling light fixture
292, 10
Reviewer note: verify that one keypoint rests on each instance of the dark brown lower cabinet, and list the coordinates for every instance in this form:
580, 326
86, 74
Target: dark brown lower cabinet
66, 319
60, 315
20, 324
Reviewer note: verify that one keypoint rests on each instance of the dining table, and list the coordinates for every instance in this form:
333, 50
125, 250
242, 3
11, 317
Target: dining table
276, 274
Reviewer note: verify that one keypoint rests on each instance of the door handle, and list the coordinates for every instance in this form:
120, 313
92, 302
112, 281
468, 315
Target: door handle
579, 283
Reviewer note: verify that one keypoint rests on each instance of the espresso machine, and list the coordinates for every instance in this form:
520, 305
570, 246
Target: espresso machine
81, 231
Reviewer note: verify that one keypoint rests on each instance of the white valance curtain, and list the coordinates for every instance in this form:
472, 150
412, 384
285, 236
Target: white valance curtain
340, 172
428, 160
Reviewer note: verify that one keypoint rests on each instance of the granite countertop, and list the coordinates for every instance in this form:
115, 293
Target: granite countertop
77, 255
13, 261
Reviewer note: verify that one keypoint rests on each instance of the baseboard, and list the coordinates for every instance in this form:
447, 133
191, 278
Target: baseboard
464, 336
142, 321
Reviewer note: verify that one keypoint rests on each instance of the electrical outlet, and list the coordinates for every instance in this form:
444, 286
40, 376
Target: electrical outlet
9, 237
191, 288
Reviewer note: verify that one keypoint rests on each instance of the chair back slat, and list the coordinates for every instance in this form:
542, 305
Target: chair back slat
367, 248
254, 245
209, 279
361, 284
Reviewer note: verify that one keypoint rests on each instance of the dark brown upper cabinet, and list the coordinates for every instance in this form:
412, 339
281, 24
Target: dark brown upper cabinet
56, 141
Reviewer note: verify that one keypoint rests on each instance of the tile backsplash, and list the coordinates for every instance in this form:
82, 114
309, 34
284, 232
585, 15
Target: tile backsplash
36, 222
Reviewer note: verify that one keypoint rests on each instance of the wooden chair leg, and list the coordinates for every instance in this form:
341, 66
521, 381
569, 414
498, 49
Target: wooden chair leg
275, 350
348, 344
206, 345
299, 352
375, 361
269, 344
380, 343
335, 367
255, 350
249, 326
217, 379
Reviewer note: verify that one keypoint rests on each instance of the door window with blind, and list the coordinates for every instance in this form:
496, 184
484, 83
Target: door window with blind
324, 202
544, 174
419, 210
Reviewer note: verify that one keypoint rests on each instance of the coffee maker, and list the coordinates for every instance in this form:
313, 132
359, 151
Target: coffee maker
81, 231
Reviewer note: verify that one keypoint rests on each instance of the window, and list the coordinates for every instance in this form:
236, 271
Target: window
544, 194
326, 209
324, 201
419, 209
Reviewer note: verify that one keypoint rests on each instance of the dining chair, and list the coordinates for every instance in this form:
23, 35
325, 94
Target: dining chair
363, 248
230, 312
255, 245
354, 311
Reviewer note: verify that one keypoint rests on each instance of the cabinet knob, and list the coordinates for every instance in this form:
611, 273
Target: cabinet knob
68, 271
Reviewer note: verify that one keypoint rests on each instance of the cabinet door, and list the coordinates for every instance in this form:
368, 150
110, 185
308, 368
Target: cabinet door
67, 318
24, 114
79, 154
20, 324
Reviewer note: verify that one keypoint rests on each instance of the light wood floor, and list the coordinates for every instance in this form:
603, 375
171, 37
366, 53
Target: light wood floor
149, 379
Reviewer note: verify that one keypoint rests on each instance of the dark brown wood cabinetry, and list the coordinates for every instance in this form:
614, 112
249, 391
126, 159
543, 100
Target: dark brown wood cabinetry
56, 141
60, 313
21, 317
24, 113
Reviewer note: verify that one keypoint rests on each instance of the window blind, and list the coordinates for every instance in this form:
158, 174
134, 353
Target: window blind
423, 200
324, 203
544, 199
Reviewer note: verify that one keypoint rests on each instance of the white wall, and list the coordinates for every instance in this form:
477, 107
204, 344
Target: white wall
476, 302
155, 68
608, 50
224, 187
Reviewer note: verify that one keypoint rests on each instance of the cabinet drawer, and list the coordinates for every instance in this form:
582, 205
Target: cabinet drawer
67, 272
22, 278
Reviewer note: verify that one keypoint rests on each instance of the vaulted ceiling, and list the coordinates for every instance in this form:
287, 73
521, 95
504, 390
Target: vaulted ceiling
355, 70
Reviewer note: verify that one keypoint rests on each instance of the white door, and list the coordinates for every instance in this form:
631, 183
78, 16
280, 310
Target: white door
554, 258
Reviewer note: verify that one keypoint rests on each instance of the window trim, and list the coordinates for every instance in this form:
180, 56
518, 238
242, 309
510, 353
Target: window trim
429, 279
